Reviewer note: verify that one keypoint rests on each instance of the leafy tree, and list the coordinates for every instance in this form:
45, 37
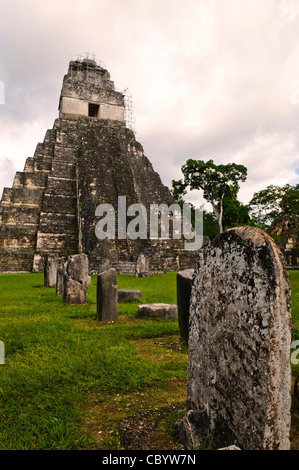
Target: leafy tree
274, 201
290, 202
234, 212
216, 181
210, 224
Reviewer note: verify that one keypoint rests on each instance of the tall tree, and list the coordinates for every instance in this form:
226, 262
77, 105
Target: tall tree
290, 202
214, 180
273, 201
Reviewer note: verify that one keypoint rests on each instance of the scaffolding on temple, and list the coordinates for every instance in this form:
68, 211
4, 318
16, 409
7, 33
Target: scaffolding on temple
88, 67
86, 63
130, 121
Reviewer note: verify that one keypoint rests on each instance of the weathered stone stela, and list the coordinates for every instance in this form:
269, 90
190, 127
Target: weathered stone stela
75, 279
107, 295
50, 271
184, 286
239, 376
88, 158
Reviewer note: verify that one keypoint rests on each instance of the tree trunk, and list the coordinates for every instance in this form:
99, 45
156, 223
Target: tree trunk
221, 214
218, 214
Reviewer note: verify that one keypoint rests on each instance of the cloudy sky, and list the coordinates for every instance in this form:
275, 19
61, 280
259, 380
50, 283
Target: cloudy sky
209, 79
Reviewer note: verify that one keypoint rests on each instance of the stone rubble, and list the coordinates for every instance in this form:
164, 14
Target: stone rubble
157, 310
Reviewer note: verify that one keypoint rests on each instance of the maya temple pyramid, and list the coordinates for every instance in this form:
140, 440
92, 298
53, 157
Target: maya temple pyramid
89, 157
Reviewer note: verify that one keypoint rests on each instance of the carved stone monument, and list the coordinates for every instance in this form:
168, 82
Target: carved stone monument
239, 376
76, 279
184, 286
142, 266
107, 295
50, 271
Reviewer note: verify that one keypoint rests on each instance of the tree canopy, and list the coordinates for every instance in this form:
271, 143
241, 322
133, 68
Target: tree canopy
274, 201
216, 182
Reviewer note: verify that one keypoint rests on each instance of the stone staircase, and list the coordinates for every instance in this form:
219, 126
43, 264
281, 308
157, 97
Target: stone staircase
20, 211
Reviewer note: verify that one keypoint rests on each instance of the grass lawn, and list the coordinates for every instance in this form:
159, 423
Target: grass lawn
70, 382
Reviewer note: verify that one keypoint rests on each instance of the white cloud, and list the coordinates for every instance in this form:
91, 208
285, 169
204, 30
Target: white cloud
271, 159
289, 9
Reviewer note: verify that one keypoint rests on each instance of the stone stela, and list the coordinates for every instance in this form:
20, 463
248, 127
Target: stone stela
239, 375
75, 279
107, 296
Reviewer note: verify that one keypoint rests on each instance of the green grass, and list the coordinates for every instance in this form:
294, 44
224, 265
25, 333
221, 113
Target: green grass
63, 369
59, 358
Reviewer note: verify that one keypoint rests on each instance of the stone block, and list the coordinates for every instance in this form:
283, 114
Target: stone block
50, 271
27, 196
184, 285
60, 186
60, 276
76, 279
20, 216
142, 266
239, 341
74, 292
65, 204
157, 310
107, 295
77, 268
60, 281
127, 295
